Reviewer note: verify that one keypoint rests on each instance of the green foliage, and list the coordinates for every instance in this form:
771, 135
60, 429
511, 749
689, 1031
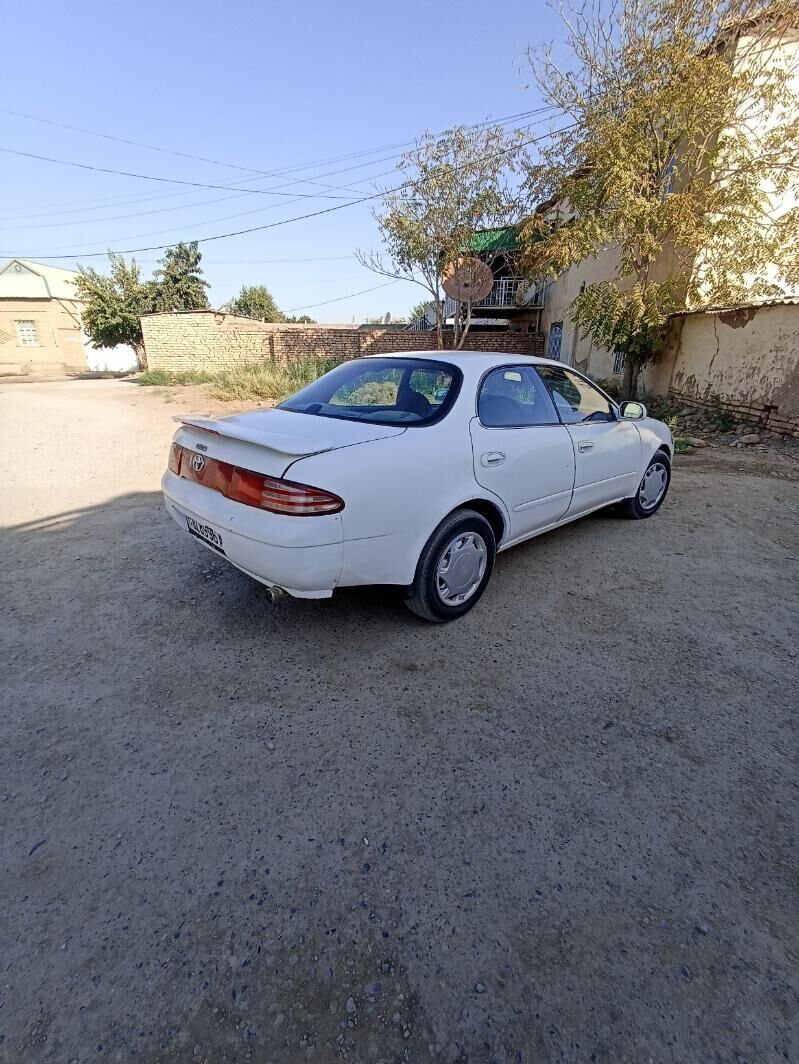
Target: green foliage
113, 305
681, 445
418, 311
610, 386
629, 322
256, 301
171, 378
303, 319
179, 281
451, 188
683, 138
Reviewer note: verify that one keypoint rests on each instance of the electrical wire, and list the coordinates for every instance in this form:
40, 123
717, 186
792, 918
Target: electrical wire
311, 214
189, 206
340, 299
166, 180
281, 172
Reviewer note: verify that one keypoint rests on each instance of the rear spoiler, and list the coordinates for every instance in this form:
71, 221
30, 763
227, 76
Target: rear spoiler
275, 441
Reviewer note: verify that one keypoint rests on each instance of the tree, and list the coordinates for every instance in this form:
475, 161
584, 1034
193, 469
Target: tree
255, 301
681, 146
179, 281
303, 319
112, 306
419, 310
451, 188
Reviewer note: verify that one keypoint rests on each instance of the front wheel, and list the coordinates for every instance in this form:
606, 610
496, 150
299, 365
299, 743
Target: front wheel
653, 488
454, 568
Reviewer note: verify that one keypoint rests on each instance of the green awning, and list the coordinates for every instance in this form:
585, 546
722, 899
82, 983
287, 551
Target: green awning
490, 241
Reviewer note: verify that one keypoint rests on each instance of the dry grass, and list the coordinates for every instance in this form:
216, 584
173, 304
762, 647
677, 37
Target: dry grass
171, 378
255, 380
268, 380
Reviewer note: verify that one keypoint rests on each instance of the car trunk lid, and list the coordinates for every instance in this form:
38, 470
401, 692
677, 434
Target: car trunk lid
269, 441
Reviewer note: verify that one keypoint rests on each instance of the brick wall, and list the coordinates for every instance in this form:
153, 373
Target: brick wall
210, 341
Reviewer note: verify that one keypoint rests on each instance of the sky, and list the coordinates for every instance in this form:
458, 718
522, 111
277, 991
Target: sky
254, 87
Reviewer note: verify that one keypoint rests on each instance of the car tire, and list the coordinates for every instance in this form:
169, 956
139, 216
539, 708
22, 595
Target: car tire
652, 490
454, 568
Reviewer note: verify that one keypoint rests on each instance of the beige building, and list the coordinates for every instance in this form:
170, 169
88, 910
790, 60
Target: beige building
763, 357
40, 329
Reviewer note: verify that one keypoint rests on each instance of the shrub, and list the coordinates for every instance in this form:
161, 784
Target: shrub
611, 386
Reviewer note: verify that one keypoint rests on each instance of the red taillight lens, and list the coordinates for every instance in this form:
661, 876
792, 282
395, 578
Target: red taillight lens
253, 489
175, 454
281, 496
246, 487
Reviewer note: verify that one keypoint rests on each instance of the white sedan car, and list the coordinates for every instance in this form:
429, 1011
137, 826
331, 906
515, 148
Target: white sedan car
412, 470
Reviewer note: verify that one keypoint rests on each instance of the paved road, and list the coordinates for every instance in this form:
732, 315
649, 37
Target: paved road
561, 829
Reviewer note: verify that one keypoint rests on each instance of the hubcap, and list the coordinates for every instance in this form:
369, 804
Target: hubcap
461, 567
653, 486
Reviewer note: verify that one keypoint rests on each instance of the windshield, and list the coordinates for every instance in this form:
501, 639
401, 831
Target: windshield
404, 391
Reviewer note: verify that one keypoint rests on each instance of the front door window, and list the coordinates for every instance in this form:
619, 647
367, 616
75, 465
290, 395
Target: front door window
575, 398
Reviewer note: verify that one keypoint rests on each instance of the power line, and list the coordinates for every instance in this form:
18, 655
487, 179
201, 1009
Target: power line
166, 180
500, 121
217, 199
295, 198
310, 214
124, 140
340, 299
260, 262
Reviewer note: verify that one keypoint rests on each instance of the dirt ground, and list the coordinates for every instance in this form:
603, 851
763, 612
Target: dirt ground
560, 829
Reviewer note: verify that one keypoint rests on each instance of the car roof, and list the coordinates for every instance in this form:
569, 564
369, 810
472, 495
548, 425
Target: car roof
474, 360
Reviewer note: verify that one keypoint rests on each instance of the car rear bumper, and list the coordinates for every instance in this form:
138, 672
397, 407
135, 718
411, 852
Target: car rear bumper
301, 555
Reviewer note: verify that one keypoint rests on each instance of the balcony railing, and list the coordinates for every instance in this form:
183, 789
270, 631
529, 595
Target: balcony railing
507, 293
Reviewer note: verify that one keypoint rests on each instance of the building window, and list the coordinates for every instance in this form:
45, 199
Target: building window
26, 331
555, 337
618, 362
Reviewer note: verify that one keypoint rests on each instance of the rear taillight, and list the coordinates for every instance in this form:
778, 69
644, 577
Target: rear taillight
281, 496
253, 489
175, 453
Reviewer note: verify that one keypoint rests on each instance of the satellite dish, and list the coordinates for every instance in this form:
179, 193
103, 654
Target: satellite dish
387, 318
525, 293
467, 278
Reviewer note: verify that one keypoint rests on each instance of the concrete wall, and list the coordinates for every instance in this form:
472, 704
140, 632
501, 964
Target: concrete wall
208, 340
577, 350
60, 348
746, 361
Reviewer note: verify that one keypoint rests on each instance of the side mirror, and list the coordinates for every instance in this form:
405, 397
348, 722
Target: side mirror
632, 411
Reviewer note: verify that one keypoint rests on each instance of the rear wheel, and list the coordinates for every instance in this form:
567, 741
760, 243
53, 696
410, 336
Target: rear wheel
653, 488
454, 568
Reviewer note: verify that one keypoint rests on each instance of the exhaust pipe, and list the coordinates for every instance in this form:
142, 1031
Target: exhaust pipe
274, 594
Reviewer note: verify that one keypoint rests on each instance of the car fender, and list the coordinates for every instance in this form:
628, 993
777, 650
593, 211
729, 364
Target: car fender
655, 436
396, 493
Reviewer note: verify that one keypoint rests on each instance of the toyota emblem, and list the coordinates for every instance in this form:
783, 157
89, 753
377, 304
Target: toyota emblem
198, 463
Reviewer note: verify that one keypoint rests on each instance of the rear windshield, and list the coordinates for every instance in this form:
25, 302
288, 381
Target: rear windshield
396, 391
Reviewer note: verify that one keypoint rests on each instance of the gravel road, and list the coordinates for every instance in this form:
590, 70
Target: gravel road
560, 829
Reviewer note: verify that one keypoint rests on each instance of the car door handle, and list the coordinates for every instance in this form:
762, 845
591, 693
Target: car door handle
585, 445
492, 458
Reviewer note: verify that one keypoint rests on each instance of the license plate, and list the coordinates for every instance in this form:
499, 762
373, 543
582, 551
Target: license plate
205, 533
